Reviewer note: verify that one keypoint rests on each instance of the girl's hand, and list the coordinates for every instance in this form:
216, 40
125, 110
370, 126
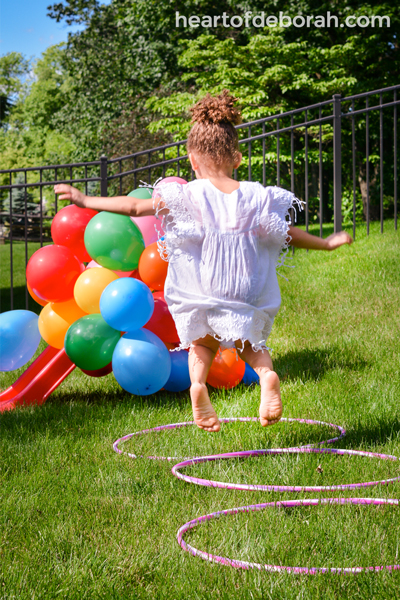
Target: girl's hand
338, 239
70, 193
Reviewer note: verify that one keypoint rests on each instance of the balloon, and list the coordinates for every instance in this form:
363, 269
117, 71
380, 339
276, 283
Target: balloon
179, 379
143, 193
134, 273
90, 285
161, 322
126, 304
141, 363
125, 273
92, 264
114, 241
250, 376
99, 372
171, 180
68, 229
55, 319
36, 298
227, 369
90, 342
152, 268
51, 273
156, 191
19, 338
150, 227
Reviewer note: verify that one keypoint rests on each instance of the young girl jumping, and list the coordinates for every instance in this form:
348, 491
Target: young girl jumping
223, 239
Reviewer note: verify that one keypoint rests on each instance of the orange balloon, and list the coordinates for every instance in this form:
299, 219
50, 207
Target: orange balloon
55, 319
227, 369
36, 298
152, 268
90, 285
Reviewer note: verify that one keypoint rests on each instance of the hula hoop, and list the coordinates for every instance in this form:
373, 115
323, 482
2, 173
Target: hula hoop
279, 488
116, 448
241, 564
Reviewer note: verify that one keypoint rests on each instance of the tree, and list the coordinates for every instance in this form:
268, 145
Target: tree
33, 135
281, 69
13, 66
127, 49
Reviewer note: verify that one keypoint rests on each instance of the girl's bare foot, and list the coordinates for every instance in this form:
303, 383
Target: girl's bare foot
271, 404
204, 415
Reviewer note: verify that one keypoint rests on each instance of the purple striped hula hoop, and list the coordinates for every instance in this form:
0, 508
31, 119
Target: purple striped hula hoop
241, 564
116, 448
279, 488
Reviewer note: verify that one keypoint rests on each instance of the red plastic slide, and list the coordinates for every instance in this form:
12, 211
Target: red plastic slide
39, 380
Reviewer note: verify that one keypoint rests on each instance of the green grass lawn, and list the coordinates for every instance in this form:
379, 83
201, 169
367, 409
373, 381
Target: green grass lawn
79, 521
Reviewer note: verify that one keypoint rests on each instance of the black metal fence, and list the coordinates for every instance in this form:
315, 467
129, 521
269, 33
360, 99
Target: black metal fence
338, 156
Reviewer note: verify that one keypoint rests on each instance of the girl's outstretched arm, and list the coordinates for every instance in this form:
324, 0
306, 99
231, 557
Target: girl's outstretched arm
302, 239
122, 205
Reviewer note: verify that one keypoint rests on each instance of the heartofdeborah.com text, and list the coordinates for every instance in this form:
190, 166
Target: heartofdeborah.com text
250, 19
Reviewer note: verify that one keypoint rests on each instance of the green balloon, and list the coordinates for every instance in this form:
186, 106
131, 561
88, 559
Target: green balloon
90, 342
143, 193
114, 241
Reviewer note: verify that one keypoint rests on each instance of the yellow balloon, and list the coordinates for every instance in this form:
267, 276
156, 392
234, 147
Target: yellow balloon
90, 285
55, 319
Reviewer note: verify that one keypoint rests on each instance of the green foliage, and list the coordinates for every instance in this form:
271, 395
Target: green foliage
13, 66
22, 198
127, 49
32, 136
281, 69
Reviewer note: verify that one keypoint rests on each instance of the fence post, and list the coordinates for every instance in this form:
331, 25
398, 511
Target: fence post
337, 163
103, 176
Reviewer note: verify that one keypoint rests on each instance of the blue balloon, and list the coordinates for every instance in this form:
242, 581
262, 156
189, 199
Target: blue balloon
179, 379
19, 338
141, 363
126, 304
250, 376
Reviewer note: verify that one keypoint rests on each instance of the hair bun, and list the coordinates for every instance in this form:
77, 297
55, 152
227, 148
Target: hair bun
216, 109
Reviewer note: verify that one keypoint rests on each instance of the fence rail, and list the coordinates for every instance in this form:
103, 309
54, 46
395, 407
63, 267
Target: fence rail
340, 158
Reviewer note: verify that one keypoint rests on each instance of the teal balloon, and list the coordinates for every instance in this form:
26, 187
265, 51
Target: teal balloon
19, 338
144, 193
90, 342
114, 241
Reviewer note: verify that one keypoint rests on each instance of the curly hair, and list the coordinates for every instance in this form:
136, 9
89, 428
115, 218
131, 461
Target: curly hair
213, 134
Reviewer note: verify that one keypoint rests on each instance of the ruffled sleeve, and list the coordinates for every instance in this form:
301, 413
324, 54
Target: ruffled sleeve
181, 224
275, 207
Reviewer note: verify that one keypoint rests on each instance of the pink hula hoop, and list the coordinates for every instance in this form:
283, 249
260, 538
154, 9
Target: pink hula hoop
341, 430
280, 488
240, 564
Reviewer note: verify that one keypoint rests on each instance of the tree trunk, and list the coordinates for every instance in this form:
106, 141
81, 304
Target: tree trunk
362, 182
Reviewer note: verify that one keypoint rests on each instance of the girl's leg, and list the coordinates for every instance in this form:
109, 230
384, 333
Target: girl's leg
271, 404
201, 355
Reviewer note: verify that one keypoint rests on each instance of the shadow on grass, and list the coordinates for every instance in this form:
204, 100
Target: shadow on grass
70, 411
19, 300
312, 363
380, 429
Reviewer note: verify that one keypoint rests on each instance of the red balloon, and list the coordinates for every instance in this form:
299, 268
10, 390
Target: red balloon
227, 369
99, 372
152, 268
52, 272
161, 322
68, 229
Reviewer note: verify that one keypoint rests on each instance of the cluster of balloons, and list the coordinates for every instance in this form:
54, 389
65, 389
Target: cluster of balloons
110, 314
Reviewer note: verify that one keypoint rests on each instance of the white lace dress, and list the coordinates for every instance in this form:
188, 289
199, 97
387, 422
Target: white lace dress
223, 251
